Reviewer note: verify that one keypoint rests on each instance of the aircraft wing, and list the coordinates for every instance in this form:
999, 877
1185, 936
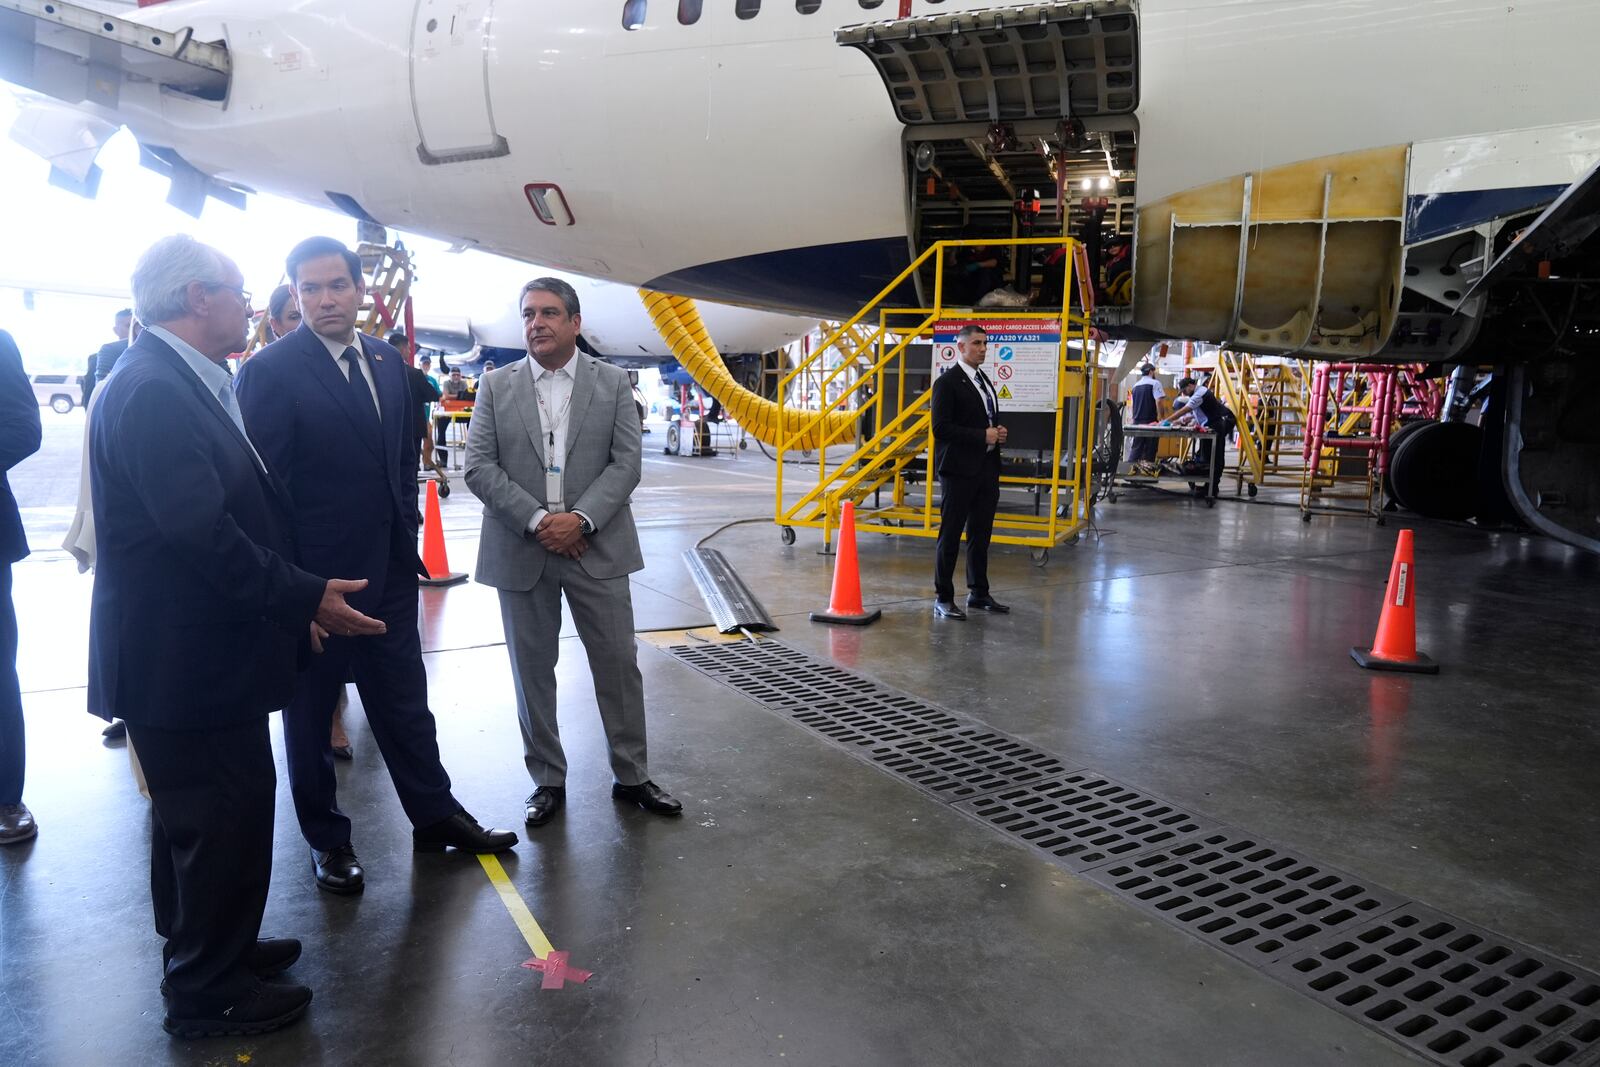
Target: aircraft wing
84, 59
77, 54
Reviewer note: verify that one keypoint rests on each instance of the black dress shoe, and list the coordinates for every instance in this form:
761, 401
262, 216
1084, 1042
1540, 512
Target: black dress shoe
344, 752
989, 604
946, 609
338, 870
647, 795
16, 824
264, 1008
117, 729
270, 956
461, 831
544, 804
273, 955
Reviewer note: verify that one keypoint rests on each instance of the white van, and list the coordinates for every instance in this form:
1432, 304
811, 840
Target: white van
62, 392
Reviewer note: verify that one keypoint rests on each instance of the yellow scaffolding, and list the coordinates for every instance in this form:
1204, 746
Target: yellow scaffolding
898, 454
1269, 396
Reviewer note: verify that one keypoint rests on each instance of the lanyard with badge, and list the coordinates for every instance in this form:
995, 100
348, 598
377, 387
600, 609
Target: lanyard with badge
552, 466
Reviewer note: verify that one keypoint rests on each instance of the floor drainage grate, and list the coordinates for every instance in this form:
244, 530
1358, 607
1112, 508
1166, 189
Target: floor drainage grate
1253, 900
1084, 819
1454, 992
1450, 991
965, 762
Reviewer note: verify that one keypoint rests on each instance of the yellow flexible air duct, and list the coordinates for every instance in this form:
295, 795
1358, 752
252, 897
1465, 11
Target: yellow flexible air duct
680, 326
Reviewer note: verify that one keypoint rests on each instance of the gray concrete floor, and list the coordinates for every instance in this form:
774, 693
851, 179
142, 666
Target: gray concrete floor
809, 909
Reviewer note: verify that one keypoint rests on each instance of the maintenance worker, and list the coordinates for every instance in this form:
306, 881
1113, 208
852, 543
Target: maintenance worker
1211, 414
1146, 411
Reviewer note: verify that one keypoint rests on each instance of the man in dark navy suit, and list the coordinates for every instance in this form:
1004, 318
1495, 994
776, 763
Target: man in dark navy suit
19, 439
330, 408
196, 625
967, 436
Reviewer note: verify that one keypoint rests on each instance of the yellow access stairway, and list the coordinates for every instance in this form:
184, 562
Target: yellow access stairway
873, 383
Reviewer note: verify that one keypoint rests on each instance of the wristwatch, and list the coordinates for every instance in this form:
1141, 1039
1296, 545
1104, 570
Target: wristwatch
585, 526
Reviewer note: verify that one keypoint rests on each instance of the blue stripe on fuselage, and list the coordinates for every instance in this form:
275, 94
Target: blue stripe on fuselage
833, 280
1431, 215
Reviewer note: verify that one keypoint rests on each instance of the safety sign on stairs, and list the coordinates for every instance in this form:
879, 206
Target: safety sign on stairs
1023, 359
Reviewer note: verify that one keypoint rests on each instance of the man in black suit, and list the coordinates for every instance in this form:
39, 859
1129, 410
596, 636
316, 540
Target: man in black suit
331, 409
19, 439
196, 625
105, 360
967, 436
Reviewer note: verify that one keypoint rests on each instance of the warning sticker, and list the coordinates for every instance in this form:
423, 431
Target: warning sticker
1023, 355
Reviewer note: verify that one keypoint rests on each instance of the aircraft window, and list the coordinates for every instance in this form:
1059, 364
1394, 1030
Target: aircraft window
747, 9
689, 12
633, 14
807, 7
870, 4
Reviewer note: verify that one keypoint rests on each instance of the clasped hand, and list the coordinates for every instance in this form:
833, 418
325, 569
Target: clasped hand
994, 435
562, 534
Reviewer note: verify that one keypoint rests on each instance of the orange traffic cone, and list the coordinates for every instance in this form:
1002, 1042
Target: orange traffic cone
433, 554
845, 604
1395, 646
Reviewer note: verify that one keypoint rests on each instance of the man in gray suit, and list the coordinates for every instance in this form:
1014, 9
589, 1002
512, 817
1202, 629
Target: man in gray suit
553, 452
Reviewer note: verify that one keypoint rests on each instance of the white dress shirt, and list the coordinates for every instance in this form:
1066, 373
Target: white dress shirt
552, 391
984, 390
336, 350
216, 380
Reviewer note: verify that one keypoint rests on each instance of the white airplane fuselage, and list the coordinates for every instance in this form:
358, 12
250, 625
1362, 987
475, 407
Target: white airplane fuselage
758, 161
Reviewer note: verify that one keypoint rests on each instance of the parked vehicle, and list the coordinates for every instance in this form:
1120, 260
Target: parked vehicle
60, 391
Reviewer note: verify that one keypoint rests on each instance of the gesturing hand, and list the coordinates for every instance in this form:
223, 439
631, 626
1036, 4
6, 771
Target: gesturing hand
334, 616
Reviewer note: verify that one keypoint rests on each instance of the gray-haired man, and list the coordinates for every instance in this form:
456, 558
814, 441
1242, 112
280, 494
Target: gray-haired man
553, 453
197, 622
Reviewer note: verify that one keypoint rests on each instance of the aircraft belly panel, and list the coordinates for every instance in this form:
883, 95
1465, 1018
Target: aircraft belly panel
1299, 258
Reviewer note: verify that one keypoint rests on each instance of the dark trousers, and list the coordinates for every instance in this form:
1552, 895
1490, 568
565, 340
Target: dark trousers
966, 504
211, 795
1142, 449
13, 738
441, 428
394, 691
1219, 441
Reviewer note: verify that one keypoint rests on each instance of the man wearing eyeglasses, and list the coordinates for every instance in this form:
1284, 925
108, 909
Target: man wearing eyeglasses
198, 620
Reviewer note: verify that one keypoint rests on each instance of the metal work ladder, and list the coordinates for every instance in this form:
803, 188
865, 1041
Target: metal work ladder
1353, 408
1268, 394
859, 364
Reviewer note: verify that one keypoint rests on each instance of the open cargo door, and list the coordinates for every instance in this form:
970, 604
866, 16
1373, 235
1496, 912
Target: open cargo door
1019, 123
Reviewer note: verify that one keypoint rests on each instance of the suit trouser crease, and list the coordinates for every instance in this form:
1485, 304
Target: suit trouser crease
393, 684
212, 798
13, 733
966, 504
602, 611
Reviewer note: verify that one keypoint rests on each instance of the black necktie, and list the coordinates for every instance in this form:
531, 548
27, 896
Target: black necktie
358, 381
988, 397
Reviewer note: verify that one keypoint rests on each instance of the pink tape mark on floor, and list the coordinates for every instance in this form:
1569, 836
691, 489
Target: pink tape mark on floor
556, 971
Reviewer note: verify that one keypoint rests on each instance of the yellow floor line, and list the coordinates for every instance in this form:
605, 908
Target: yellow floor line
531, 933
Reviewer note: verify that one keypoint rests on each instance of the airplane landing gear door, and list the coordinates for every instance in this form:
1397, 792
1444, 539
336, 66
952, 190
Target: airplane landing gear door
450, 41
1019, 122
